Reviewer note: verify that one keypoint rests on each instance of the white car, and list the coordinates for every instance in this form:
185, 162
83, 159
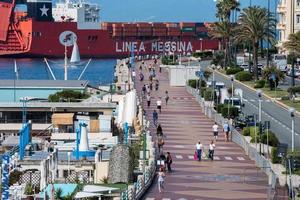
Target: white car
296, 72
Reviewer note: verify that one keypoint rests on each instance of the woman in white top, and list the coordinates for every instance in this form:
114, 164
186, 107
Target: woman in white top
211, 150
199, 147
161, 180
158, 103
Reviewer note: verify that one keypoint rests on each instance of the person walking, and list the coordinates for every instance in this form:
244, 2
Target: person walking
156, 84
167, 97
158, 104
226, 130
155, 117
211, 150
215, 130
159, 130
199, 148
148, 89
144, 91
148, 97
151, 85
160, 143
169, 161
161, 180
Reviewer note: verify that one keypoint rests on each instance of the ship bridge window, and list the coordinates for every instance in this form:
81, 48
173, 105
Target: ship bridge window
92, 37
37, 34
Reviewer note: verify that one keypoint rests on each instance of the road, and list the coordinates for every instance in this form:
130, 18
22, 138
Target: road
279, 117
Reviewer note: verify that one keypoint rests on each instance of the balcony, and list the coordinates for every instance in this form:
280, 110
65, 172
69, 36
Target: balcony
281, 8
281, 26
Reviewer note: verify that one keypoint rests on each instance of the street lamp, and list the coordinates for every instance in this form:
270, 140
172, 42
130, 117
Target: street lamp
201, 44
259, 94
232, 92
69, 159
292, 112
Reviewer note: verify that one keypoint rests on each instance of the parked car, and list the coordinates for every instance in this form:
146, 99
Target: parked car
296, 73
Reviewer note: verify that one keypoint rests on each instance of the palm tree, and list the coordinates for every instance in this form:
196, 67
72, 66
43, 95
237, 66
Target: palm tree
253, 26
223, 31
224, 8
58, 194
293, 43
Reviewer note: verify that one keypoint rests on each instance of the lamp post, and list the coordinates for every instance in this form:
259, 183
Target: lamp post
268, 33
201, 44
292, 112
69, 159
259, 94
232, 92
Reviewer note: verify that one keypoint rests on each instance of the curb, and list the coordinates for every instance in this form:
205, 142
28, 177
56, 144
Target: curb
282, 105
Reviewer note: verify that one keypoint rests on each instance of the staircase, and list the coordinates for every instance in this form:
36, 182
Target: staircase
14, 41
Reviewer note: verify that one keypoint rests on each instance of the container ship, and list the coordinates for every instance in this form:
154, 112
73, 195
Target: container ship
43, 29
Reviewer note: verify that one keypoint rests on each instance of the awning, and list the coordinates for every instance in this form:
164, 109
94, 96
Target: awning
62, 118
81, 195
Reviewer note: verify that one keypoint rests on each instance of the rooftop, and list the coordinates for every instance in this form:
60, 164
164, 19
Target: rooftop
60, 84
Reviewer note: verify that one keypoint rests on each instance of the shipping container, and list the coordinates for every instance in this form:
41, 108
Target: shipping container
158, 25
173, 33
188, 29
188, 34
144, 25
200, 24
130, 25
172, 25
187, 24
201, 29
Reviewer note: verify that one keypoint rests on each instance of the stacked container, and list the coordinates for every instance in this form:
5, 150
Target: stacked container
173, 29
159, 29
201, 30
144, 29
130, 30
107, 26
187, 28
117, 29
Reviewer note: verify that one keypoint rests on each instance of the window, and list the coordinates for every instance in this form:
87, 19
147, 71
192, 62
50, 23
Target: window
298, 19
298, 2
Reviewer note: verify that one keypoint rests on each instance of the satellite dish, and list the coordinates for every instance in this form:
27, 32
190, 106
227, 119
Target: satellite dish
67, 38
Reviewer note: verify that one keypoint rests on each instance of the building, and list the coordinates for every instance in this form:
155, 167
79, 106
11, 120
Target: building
288, 20
14, 90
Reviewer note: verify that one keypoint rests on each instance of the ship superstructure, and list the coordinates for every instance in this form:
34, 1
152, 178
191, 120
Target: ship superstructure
43, 31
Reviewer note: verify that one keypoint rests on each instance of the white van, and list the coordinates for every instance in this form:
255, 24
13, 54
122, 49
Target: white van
280, 61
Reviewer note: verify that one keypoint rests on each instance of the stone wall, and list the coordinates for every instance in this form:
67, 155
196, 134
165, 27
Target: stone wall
120, 165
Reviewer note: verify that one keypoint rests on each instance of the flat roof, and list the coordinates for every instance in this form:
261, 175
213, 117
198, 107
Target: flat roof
49, 84
57, 105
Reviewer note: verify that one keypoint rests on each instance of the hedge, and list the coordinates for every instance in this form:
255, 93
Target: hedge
260, 84
274, 158
246, 131
243, 76
273, 140
208, 95
234, 70
203, 54
233, 111
192, 83
219, 108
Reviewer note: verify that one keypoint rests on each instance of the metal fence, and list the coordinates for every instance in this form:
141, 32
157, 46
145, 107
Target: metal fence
240, 140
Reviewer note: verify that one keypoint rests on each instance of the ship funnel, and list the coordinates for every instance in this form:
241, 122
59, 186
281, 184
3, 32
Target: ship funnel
84, 142
75, 58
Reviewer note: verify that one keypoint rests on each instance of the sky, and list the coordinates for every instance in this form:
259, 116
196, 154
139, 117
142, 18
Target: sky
165, 10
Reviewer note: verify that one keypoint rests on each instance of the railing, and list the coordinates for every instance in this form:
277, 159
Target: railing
237, 138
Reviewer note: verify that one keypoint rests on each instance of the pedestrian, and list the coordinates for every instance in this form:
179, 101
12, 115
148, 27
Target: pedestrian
141, 76
144, 91
158, 104
161, 180
169, 161
148, 100
148, 89
167, 97
159, 130
141, 68
156, 84
151, 85
199, 148
226, 130
211, 150
160, 143
215, 130
155, 117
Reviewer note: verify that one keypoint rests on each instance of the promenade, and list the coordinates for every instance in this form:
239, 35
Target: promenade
232, 175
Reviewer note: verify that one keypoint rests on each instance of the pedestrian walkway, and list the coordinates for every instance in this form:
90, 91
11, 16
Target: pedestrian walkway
232, 175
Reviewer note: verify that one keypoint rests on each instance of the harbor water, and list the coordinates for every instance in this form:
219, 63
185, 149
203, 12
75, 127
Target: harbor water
98, 72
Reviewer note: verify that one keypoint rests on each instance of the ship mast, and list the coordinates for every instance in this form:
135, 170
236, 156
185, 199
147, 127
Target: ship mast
66, 64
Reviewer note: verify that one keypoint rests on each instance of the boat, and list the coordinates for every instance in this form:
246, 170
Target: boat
45, 29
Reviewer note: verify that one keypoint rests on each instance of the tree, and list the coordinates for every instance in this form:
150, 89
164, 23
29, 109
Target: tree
224, 8
58, 194
223, 31
253, 26
293, 43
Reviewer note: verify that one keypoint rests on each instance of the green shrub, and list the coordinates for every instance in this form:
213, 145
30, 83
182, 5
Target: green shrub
233, 111
68, 95
285, 98
273, 141
260, 83
208, 95
243, 76
246, 131
233, 70
294, 89
274, 158
203, 83
192, 83
203, 54
207, 74
219, 108
202, 91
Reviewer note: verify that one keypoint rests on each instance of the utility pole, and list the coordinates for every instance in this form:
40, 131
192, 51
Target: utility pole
268, 33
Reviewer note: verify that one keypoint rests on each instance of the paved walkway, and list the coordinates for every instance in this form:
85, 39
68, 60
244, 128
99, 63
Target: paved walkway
232, 175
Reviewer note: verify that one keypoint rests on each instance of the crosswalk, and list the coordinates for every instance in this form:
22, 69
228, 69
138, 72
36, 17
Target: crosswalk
149, 198
226, 158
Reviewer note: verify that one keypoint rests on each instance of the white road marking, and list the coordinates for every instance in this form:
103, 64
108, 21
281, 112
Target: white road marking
150, 198
179, 156
191, 157
216, 158
240, 158
228, 158
178, 146
166, 199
